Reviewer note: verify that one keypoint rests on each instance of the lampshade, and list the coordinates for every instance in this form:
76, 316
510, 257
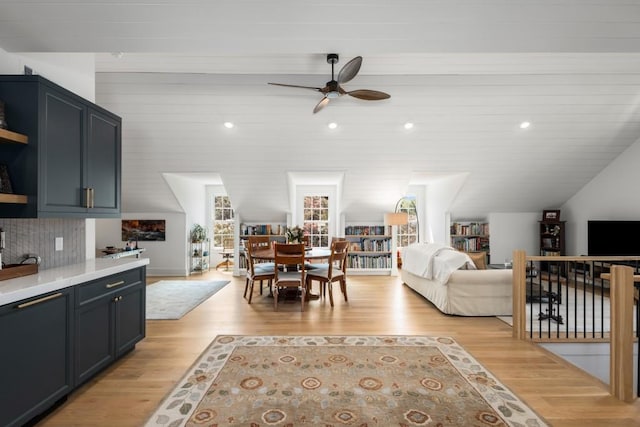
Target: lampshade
396, 218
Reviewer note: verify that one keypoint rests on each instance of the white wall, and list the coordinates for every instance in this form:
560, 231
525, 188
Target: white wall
168, 258
440, 194
73, 71
511, 231
611, 195
192, 197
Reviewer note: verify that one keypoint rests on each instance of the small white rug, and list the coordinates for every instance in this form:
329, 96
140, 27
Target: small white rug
172, 299
593, 313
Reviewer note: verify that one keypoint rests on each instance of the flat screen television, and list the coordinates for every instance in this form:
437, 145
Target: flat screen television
613, 238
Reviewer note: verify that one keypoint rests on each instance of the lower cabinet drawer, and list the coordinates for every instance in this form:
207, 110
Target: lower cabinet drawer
96, 289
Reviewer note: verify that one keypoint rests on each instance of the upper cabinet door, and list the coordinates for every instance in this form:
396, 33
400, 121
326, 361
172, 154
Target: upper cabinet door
72, 164
103, 162
62, 143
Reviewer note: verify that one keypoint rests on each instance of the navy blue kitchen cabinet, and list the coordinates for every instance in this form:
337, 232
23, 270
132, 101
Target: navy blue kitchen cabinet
36, 356
110, 320
52, 343
71, 165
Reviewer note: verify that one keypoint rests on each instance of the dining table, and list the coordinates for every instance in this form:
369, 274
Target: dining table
310, 254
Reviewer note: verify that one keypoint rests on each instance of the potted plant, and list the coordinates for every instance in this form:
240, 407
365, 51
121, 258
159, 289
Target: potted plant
295, 235
198, 233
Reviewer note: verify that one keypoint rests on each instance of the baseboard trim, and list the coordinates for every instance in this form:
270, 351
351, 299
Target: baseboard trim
161, 272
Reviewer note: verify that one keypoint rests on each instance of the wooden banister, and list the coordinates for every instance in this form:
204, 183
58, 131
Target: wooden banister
621, 362
519, 294
622, 296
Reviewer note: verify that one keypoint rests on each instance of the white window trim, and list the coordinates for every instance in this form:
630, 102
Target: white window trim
212, 192
317, 190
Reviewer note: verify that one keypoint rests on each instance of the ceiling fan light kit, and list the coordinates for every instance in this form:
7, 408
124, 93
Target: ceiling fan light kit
333, 88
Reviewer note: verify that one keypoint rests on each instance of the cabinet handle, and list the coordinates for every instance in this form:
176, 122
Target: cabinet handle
87, 197
39, 300
113, 285
93, 197
116, 299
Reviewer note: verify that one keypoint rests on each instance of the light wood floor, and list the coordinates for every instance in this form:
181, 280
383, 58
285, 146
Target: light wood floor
128, 392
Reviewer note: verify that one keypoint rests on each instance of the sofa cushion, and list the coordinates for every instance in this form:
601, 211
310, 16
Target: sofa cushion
479, 259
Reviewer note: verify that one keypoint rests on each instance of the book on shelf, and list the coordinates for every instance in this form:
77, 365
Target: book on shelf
470, 244
370, 245
364, 230
262, 229
371, 262
470, 229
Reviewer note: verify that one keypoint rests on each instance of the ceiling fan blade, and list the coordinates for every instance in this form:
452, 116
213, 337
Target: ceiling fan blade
302, 87
323, 103
350, 70
368, 95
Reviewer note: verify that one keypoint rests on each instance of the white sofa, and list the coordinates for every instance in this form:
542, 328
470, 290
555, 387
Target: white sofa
463, 292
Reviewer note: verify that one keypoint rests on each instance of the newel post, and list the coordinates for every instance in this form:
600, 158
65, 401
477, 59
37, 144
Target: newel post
519, 294
621, 362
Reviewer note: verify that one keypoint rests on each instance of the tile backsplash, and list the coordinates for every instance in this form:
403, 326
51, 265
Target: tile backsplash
37, 236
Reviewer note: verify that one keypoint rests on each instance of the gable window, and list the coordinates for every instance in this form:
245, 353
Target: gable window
408, 234
316, 220
223, 220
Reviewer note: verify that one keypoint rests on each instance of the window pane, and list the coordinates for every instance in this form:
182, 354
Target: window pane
223, 223
316, 215
408, 233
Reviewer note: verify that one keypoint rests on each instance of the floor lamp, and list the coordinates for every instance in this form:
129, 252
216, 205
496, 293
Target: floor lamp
394, 219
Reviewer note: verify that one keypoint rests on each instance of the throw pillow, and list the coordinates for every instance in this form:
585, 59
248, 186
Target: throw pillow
479, 259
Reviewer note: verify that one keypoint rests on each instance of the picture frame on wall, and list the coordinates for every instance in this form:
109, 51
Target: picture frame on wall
143, 230
551, 215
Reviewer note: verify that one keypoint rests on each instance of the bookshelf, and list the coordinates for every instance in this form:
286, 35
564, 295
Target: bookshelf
199, 255
551, 242
470, 236
369, 249
274, 231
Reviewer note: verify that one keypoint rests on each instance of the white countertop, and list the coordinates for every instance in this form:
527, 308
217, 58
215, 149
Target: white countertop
44, 281
100, 253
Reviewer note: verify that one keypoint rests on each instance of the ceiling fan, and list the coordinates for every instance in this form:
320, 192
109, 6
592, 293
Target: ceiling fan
333, 88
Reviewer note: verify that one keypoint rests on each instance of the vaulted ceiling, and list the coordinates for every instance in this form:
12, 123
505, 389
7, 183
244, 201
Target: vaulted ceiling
465, 72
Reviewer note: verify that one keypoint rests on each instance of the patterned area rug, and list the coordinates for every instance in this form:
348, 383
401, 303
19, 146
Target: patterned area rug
337, 381
172, 299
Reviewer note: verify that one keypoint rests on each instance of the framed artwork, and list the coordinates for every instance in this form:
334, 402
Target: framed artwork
5, 182
551, 215
143, 230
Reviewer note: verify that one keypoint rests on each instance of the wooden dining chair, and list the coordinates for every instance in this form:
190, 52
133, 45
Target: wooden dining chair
257, 271
336, 271
289, 271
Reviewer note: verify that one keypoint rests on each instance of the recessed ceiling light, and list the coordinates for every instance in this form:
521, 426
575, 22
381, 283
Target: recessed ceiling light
408, 125
228, 125
332, 125
524, 125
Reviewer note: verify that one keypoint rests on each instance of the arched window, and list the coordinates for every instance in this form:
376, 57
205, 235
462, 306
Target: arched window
408, 234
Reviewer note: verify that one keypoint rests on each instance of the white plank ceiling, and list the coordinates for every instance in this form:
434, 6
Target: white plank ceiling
465, 72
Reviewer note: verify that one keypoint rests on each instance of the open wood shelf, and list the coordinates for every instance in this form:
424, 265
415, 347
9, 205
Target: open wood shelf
13, 137
13, 198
